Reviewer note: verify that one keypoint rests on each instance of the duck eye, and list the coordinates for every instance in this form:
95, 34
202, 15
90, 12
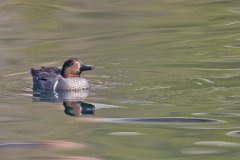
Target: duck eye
68, 63
71, 63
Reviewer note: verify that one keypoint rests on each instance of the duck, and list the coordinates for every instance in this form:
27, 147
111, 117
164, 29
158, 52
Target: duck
67, 78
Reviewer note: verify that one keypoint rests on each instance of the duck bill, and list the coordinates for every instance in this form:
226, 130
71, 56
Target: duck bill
86, 68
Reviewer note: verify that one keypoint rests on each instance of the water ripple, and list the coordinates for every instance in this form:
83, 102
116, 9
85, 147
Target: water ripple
65, 158
234, 133
205, 80
166, 120
14, 119
218, 114
218, 143
217, 69
46, 144
201, 151
125, 133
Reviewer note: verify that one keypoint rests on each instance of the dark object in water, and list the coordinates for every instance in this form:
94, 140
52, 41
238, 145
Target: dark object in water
78, 108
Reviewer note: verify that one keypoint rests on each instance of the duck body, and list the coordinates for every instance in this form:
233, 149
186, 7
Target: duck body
53, 78
72, 83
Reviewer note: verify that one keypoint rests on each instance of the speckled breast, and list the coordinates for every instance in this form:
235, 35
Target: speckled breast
72, 84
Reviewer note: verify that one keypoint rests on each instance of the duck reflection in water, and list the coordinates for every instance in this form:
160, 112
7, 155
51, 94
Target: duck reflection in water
78, 108
72, 101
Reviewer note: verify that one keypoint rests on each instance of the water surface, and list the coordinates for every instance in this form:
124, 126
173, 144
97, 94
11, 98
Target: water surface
166, 83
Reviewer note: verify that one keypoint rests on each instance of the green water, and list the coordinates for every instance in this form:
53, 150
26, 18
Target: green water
170, 67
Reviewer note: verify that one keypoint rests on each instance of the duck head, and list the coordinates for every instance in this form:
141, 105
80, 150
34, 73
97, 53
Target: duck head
73, 67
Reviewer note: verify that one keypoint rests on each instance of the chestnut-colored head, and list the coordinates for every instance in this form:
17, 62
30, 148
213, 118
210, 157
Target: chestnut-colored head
73, 67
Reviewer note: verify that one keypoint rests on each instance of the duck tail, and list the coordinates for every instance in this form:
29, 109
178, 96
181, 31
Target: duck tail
33, 72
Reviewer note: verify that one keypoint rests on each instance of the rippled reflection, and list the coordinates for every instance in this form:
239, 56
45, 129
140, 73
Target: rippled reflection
47, 146
201, 151
72, 101
167, 120
56, 145
78, 108
59, 96
233, 133
218, 143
